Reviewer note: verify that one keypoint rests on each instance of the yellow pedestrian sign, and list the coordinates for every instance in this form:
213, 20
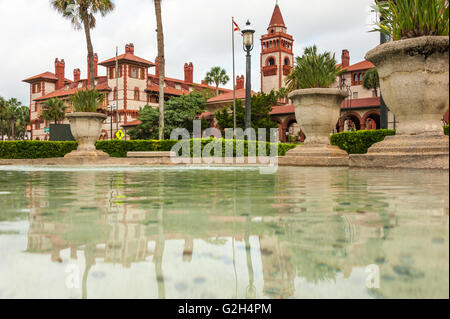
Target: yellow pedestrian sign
120, 135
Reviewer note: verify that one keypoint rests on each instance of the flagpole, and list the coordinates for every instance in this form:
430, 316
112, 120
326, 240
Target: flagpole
234, 78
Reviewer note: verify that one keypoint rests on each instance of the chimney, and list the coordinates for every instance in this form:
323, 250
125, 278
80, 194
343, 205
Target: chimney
129, 48
95, 67
60, 73
188, 72
345, 58
157, 67
76, 75
240, 82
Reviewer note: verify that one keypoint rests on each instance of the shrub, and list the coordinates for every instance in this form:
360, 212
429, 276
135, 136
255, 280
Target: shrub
405, 19
43, 149
87, 100
313, 70
359, 142
121, 148
446, 130
35, 149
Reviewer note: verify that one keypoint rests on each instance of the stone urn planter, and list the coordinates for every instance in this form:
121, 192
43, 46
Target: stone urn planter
414, 82
317, 111
86, 128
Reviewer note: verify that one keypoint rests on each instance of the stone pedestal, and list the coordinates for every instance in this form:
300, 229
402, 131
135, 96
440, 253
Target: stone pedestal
406, 151
317, 155
90, 155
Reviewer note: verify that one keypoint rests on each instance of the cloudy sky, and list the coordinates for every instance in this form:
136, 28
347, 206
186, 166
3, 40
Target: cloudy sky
197, 31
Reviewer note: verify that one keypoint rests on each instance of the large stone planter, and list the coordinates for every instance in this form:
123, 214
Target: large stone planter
86, 128
414, 82
317, 112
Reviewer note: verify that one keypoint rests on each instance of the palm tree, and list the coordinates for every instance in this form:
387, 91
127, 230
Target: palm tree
218, 76
12, 114
54, 110
161, 65
81, 14
371, 80
23, 120
2, 116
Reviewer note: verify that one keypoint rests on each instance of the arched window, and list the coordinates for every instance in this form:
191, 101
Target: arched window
136, 94
271, 61
355, 78
286, 61
361, 77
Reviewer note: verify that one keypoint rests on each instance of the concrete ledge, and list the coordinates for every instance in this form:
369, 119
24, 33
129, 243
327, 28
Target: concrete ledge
406, 151
150, 154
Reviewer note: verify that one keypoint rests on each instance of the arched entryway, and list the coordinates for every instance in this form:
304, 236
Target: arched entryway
293, 130
371, 121
349, 122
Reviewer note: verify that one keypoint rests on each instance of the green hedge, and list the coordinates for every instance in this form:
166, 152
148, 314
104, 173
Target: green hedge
446, 130
44, 149
359, 142
35, 149
121, 148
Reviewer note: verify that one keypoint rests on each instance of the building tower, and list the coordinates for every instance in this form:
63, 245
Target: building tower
277, 57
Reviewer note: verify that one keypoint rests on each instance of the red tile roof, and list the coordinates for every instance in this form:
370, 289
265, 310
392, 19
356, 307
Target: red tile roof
282, 109
240, 94
167, 90
277, 18
43, 76
363, 65
361, 103
132, 124
129, 57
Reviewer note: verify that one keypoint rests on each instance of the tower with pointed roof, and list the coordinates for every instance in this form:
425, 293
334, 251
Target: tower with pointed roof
277, 57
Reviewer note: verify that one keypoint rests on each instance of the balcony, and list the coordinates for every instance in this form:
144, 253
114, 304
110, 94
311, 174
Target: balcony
270, 70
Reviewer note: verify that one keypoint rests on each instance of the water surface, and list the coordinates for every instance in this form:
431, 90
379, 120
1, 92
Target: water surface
223, 233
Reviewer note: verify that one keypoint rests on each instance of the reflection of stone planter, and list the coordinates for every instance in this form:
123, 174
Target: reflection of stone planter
414, 81
415, 86
317, 111
86, 129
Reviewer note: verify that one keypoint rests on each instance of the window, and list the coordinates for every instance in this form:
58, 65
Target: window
361, 75
286, 61
134, 73
36, 88
355, 95
271, 61
115, 93
37, 126
136, 94
355, 78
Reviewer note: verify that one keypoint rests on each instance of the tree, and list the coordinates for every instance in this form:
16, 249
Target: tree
161, 66
54, 110
180, 113
81, 14
217, 76
371, 80
23, 121
261, 107
11, 116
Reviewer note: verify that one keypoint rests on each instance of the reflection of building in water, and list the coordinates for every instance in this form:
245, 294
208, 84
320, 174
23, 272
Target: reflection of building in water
297, 241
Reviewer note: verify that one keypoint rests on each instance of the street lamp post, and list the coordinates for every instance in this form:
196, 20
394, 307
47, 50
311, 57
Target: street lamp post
248, 34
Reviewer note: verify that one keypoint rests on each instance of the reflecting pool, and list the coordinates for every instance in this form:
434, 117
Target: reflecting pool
223, 233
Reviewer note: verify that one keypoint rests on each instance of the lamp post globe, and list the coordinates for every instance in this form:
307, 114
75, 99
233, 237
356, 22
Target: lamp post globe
248, 41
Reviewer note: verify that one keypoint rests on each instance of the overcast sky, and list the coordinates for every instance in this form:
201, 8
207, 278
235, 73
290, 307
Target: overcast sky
198, 31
